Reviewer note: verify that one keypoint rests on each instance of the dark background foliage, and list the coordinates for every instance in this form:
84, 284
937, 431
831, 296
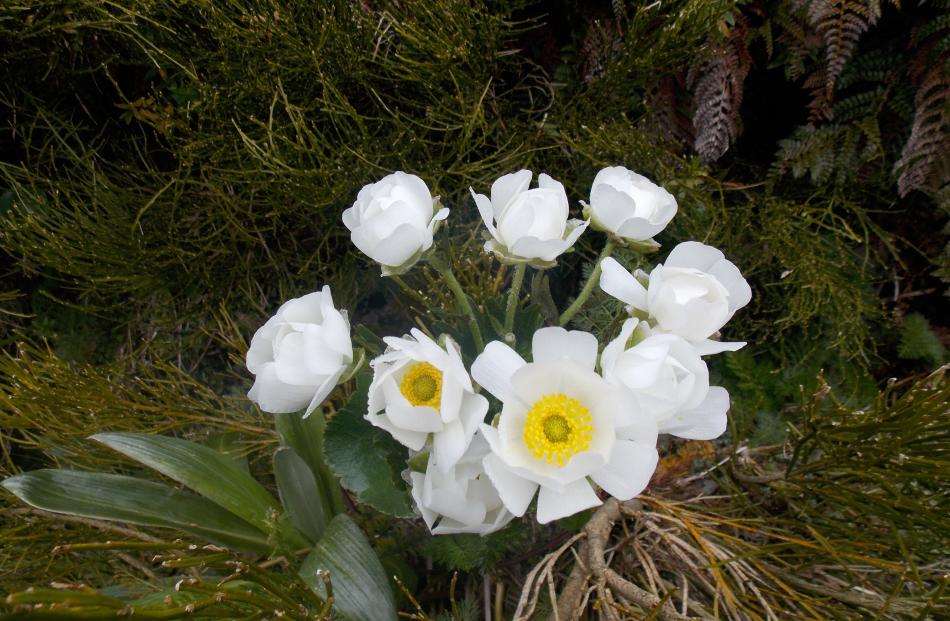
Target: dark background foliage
170, 172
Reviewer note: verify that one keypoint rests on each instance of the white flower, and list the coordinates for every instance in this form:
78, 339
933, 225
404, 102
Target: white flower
528, 226
461, 499
299, 354
668, 381
693, 294
393, 220
419, 389
629, 205
561, 423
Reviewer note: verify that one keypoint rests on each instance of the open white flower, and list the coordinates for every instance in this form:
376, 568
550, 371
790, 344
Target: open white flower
393, 220
629, 205
668, 381
299, 354
528, 226
420, 389
693, 294
462, 498
561, 423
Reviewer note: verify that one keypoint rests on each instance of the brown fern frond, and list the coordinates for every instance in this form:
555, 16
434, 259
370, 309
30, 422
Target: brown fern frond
925, 159
602, 39
820, 104
717, 82
667, 119
841, 24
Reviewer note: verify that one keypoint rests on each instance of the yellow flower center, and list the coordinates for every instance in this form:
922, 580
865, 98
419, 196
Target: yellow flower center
422, 385
557, 428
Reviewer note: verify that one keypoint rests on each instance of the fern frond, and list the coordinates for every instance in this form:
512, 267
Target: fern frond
667, 119
841, 24
717, 85
924, 160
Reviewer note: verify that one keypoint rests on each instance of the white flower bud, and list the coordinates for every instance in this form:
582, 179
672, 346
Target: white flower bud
299, 354
393, 220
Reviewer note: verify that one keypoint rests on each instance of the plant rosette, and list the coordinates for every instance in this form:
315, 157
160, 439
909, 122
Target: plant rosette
561, 423
629, 207
393, 221
667, 380
693, 294
460, 499
299, 354
420, 390
528, 225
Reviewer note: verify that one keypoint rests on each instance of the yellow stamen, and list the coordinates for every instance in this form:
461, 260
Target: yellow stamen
557, 428
422, 385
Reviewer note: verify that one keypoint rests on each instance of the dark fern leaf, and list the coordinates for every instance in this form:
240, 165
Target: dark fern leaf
717, 82
924, 160
841, 24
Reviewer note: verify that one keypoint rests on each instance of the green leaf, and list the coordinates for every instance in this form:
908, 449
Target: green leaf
469, 551
305, 436
206, 471
361, 589
299, 493
366, 458
127, 499
919, 342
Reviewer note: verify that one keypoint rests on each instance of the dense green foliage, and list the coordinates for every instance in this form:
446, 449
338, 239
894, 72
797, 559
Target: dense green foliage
170, 172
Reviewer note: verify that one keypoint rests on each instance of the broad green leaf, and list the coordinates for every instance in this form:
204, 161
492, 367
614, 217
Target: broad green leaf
366, 458
299, 493
361, 589
206, 471
127, 499
305, 436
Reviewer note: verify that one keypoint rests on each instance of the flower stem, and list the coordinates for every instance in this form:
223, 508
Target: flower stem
588, 286
516, 281
415, 295
460, 297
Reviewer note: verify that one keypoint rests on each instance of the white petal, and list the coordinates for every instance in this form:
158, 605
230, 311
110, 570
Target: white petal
419, 418
629, 470
400, 246
547, 182
274, 396
494, 367
608, 359
575, 228
415, 186
610, 207
261, 350
534, 248
516, 493
694, 254
485, 211
414, 440
449, 444
305, 309
706, 422
639, 229
577, 496
616, 281
729, 275
323, 390
708, 347
292, 363
554, 344
507, 187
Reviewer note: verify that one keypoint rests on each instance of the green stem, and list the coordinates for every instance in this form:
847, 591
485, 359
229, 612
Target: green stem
516, 281
588, 286
460, 297
415, 295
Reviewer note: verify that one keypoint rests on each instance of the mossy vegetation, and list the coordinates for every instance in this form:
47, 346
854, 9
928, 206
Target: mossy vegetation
170, 172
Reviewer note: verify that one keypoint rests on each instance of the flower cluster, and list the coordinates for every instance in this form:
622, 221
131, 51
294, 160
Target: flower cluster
569, 418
